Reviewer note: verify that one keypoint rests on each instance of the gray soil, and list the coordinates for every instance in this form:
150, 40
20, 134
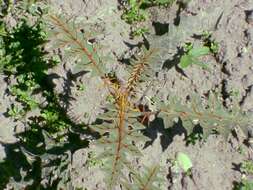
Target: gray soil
216, 160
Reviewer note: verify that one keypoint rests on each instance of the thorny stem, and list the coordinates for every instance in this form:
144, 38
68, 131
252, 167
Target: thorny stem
122, 96
122, 107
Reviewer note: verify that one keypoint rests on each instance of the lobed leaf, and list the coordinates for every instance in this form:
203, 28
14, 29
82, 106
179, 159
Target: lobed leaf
211, 117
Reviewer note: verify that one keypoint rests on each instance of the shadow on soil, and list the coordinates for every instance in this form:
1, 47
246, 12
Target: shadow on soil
36, 149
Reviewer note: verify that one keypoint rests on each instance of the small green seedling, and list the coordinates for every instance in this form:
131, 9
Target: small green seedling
136, 9
184, 162
245, 184
140, 31
2, 30
93, 161
24, 97
15, 112
247, 167
50, 116
214, 47
80, 87
192, 57
193, 138
134, 13
163, 2
210, 42
241, 150
158, 2
6, 6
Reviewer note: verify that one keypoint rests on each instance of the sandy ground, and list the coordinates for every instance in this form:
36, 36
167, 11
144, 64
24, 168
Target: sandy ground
215, 161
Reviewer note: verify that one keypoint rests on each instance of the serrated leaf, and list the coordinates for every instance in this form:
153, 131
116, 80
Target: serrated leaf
212, 117
66, 34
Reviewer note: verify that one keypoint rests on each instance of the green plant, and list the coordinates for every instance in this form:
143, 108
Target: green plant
135, 12
135, 9
183, 161
192, 57
24, 97
247, 167
140, 31
120, 126
15, 112
81, 87
159, 2
193, 138
5, 7
24, 63
210, 42
244, 185
93, 161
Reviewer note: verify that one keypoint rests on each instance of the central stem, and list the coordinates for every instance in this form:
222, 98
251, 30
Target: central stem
122, 102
